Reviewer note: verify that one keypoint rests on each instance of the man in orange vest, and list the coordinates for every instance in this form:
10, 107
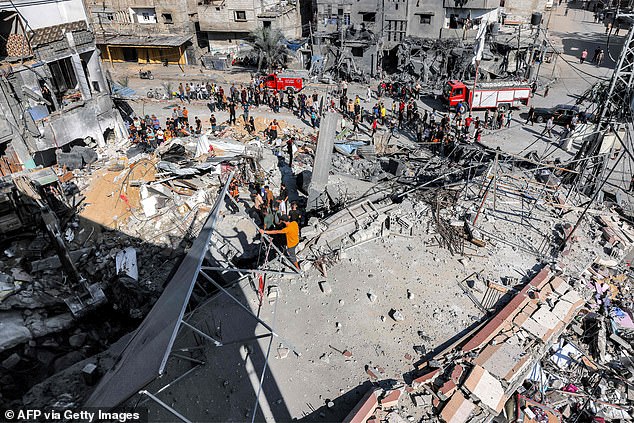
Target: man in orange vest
291, 230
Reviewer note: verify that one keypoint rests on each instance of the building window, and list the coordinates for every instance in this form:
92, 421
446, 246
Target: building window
369, 17
346, 19
425, 19
266, 24
396, 6
63, 76
167, 18
105, 16
240, 16
357, 51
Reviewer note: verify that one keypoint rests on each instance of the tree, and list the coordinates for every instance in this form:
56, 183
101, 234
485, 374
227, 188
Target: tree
269, 46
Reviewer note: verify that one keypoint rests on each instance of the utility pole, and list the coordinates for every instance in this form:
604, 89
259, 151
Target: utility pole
616, 105
517, 55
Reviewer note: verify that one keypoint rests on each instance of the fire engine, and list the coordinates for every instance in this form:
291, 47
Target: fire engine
290, 84
487, 95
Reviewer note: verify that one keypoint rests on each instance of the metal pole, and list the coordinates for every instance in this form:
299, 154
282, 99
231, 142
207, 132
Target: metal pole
201, 333
245, 308
165, 406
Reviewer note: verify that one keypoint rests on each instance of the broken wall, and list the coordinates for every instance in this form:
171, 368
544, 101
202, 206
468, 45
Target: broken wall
425, 18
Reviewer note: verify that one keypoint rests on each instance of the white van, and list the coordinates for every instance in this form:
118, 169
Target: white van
549, 4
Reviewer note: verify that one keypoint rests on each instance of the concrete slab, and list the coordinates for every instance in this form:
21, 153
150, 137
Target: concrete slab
458, 409
534, 328
486, 388
545, 317
500, 359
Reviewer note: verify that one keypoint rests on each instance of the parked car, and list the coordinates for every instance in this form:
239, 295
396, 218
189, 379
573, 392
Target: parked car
562, 113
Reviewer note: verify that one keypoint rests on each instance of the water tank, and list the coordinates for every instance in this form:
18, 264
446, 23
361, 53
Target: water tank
536, 18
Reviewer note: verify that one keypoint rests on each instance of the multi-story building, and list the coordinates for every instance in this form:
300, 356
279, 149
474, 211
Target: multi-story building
226, 24
146, 31
181, 31
390, 22
52, 89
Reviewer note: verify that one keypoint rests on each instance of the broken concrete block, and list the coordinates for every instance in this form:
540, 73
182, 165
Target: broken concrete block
11, 361
428, 377
12, 331
458, 409
53, 262
371, 297
545, 317
273, 293
282, 352
77, 340
486, 388
534, 328
90, 373
390, 399
325, 287
447, 390
397, 315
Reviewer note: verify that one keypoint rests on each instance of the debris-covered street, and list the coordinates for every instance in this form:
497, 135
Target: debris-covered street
339, 222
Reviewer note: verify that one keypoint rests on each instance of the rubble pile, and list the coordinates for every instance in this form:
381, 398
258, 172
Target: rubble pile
559, 349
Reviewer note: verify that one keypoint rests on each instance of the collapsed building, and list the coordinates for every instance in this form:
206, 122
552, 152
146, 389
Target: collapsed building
54, 91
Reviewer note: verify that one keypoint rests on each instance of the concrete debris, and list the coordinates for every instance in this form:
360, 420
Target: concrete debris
397, 315
506, 274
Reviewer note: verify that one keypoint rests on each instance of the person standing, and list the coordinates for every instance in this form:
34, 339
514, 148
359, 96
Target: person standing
584, 55
600, 56
181, 115
291, 231
531, 115
213, 122
509, 117
232, 113
245, 112
549, 126
355, 122
186, 116
344, 88
289, 148
199, 125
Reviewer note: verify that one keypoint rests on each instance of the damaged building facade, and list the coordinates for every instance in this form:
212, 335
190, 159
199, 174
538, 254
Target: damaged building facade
181, 32
54, 92
372, 30
146, 32
226, 24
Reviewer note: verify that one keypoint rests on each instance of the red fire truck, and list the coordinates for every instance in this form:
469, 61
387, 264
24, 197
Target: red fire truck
286, 83
487, 95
